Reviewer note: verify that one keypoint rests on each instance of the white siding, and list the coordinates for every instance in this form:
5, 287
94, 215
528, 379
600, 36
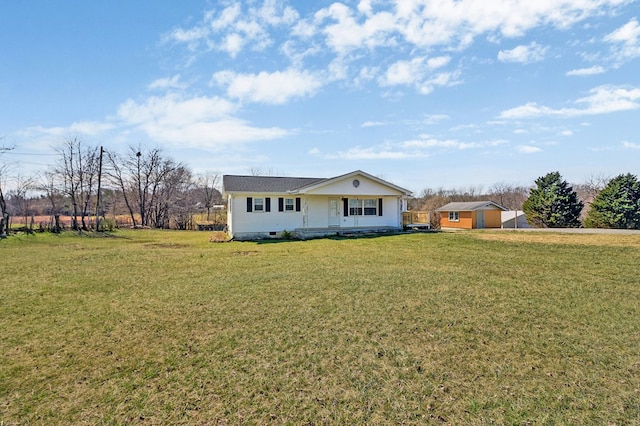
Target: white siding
314, 214
243, 222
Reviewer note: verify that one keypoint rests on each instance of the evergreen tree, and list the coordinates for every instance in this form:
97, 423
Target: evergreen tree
617, 205
553, 204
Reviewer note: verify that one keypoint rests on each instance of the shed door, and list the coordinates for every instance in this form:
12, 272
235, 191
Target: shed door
480, 219
334, 212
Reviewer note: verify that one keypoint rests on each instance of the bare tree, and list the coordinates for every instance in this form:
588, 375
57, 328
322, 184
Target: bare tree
51, 187
259, 171
592, 185
78, 165
4, 213
119, 175
508, 195
175, 201
21, 199
588, 190
208, 184
145, 178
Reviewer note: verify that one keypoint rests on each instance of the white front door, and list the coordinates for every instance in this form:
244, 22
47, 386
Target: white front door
334, 212
480, 219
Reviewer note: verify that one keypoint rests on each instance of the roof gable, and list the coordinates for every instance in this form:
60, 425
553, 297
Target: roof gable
350, 178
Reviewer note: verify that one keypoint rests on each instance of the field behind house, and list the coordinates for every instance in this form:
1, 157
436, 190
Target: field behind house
164, 327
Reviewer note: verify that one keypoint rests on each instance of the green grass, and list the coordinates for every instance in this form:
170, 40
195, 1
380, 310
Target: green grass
153, 327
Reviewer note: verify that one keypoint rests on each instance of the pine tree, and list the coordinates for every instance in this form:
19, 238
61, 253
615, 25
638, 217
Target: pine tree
553, 203
617, 205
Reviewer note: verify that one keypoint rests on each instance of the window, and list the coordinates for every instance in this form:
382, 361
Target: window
370, 207
288, 204
454, 216
355, 207
258, 204
366, 207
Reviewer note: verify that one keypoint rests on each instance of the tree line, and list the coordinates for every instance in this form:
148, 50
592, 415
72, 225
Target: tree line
87, 182
599, 202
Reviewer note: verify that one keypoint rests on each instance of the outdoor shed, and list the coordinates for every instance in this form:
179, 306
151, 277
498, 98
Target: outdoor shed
471, 215
270, 207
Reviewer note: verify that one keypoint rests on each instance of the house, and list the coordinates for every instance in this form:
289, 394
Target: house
266, 206
471, 215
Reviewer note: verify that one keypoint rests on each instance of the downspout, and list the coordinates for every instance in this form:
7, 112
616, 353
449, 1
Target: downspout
305, 214
230, 215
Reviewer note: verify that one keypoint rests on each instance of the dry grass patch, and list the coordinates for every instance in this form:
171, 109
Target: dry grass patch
218, 237
608, 240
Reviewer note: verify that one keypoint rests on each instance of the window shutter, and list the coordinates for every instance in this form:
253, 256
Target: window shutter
267, 204
280, 204
379, 206
298, 204
345, 207
249, 204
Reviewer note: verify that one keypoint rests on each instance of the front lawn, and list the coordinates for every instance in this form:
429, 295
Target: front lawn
165, 327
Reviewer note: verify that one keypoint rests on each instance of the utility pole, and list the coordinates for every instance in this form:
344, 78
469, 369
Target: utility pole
98, 194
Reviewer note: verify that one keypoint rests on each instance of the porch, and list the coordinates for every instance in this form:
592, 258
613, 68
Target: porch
309, 233
416, 220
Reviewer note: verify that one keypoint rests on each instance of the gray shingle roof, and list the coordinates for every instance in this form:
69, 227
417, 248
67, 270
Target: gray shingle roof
234, 183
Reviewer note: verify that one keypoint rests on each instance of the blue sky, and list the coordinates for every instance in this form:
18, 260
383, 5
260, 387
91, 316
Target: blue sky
424, 93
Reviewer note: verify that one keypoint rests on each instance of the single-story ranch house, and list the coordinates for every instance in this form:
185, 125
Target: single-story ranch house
471, 215
266, 206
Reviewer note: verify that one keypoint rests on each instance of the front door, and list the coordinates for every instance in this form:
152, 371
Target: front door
334, 212
480, 219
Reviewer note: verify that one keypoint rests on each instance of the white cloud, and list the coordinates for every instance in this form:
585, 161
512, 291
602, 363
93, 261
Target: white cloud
270, 88
601, 100
422, 147
523, 54
566, 133
226, 18
373, 124
87, 128
628, 34
438, 62
444, 79
435, 118
630, 145
437, 143
167, 83
366, 74
404, 72
344, 33
274, 13
626, 40
596, 69
605, 99
372, 153
233, 29
418, 72
196, 122
528, 149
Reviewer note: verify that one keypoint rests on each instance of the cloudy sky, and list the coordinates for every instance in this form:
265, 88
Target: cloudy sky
424, 93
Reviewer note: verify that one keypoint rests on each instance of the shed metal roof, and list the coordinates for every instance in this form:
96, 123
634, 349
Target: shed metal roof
467, 206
